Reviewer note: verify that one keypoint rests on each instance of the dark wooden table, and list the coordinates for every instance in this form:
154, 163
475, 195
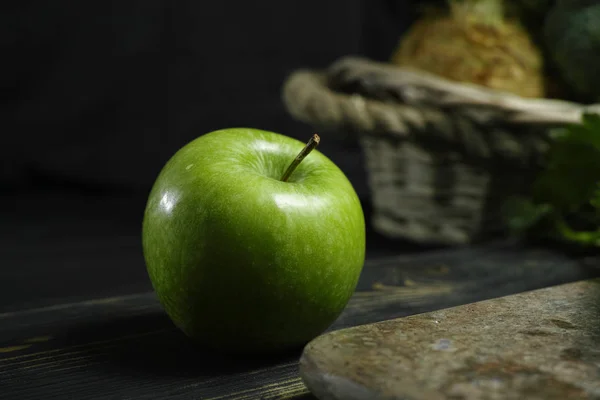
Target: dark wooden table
78, 318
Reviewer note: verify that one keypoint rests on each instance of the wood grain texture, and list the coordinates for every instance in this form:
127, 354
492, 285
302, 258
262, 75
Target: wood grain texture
126, 348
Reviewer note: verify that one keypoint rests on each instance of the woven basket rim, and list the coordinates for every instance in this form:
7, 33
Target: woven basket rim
466, 89
304, 87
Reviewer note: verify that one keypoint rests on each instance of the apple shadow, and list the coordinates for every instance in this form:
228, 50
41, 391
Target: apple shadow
150, 346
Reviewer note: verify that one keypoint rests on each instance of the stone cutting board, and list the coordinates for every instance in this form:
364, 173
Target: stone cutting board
543, 344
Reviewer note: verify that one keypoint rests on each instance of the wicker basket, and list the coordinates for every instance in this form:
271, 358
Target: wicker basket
441, 156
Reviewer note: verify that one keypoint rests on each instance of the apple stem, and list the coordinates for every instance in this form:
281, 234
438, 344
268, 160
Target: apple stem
310, 146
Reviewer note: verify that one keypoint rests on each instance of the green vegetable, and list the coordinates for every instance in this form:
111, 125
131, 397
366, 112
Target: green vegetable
572, 35
565, 199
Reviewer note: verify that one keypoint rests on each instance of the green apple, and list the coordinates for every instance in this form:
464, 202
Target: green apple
243, 258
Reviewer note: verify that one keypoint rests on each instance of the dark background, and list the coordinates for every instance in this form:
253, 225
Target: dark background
97, 95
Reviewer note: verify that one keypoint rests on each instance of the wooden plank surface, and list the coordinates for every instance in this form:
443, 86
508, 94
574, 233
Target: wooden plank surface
125, 347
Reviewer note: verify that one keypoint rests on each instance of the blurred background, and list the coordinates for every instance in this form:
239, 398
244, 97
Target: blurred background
97, 95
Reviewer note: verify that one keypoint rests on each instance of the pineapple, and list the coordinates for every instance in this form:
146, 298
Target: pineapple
475, 42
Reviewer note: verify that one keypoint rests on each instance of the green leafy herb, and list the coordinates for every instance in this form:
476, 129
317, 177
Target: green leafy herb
565, 198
